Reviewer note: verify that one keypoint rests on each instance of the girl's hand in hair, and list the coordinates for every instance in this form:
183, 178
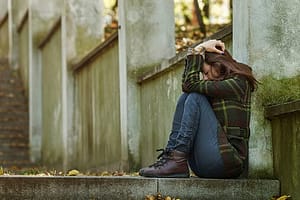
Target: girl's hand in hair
216, 46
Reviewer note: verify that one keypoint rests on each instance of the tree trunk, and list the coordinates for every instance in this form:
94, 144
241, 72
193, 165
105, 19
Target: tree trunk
206, 8
200, 17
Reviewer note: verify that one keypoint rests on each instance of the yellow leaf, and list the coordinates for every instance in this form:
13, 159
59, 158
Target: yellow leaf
150, 197
283, 197
105, 173
73, 172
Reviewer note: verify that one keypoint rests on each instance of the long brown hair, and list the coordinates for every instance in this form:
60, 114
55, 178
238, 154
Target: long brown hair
228, 67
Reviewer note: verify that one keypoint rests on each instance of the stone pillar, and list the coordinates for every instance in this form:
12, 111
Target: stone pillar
84, 31
81, 30
17, 11
85, 27
146, 37
3, 8
4, 29
42, 15
265, 36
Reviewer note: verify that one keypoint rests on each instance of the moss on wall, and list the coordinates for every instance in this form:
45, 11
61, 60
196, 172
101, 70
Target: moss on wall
271, 91
275, 91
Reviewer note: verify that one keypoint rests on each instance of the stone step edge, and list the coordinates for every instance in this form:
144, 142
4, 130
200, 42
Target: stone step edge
124, 187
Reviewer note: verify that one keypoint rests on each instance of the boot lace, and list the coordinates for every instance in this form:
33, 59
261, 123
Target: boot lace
163, 157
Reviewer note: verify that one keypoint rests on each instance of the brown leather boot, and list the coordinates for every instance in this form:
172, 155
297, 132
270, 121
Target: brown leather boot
171, 164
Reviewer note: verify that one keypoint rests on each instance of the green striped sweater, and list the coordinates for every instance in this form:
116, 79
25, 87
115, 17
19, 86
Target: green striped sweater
230, 99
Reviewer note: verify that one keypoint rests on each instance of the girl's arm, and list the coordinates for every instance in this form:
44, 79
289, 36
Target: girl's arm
233, 87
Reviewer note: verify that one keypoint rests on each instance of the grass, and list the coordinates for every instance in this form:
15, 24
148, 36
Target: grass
273, 91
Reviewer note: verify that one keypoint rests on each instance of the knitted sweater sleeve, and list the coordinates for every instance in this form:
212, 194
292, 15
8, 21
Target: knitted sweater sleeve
233, 87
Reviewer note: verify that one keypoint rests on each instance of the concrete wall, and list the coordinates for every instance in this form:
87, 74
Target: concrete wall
81, 29
4, 40
4, 36
85, 27
146, 38
23, 40
96, 141
285, 121
158, 102
52, 107
265, 36
42, 16
3, 8
18, 8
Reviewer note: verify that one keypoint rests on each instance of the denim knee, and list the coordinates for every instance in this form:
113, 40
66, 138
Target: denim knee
196, 97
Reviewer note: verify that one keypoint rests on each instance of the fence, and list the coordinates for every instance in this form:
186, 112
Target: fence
285, 121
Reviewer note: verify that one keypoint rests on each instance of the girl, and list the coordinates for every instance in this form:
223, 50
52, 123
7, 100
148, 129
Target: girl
210, 129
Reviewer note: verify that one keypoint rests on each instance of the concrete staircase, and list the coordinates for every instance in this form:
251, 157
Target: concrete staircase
14, 140
135, 188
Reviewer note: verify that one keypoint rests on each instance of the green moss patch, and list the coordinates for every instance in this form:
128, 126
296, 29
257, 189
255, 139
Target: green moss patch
273, 91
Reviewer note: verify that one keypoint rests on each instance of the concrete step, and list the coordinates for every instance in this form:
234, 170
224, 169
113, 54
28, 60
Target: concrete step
15, 128
14, 115
16, 164
9, 135
14, 119
93, 187
8, 160
14, 123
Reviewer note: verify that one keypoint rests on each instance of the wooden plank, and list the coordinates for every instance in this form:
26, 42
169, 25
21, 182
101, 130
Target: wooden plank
281, 109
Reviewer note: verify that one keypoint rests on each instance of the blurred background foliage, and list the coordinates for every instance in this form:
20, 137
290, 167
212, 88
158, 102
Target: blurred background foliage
194, 19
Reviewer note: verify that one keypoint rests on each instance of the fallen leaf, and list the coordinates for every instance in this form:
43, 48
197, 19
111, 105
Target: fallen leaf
1, 171
73, 172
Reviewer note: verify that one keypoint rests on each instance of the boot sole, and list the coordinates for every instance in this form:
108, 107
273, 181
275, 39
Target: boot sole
167, 176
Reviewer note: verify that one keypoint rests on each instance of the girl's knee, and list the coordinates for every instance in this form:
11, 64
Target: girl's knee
195, 95
196, 99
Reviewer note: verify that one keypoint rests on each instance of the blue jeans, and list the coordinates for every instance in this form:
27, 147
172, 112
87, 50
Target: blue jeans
195, 132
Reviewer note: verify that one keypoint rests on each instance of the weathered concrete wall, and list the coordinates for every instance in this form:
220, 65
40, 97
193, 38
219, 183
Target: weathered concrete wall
146, 38
81, 30
285, 121
85, 27
265, 36
42, 16
3, 8
18, 10
4, 36
158, 102
4, 29
53, 149
23, 36
96, 141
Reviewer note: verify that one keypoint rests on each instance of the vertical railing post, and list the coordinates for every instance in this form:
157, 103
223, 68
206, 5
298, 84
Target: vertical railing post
146, 37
